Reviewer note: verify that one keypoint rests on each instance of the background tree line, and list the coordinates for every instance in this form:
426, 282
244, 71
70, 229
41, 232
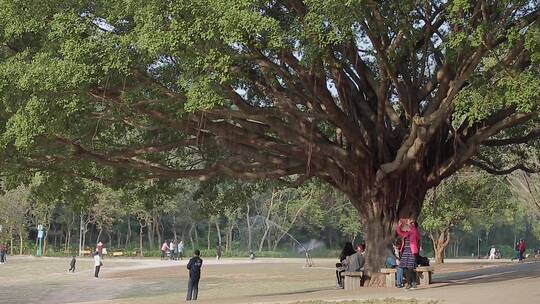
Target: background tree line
469, 212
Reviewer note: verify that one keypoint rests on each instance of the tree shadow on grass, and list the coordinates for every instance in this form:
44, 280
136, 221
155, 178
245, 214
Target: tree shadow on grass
489, 275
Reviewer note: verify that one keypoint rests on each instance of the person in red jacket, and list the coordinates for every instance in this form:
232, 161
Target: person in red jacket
521, 248
407, 229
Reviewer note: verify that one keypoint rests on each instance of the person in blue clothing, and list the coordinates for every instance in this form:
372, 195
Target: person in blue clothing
392, 261
194, 266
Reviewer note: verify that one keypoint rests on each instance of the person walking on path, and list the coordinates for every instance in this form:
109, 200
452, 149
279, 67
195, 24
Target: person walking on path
408, 231
97, 264
164, 249
521, 249
194, 266
72, 264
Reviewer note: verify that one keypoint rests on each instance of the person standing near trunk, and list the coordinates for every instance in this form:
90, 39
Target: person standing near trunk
194, 266
97, 264
408, 231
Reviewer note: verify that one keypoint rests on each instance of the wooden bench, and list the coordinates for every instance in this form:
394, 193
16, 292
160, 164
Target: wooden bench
117, 253
353, 280
390, 274
423, 277
86, 252
424, 274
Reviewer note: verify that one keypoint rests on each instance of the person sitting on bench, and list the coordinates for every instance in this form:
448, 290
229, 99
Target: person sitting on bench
392, 261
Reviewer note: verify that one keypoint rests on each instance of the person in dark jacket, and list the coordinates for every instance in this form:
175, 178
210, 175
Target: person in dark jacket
194, 266
72, 264
348, 250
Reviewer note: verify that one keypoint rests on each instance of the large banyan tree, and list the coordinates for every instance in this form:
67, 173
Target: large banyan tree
380, 99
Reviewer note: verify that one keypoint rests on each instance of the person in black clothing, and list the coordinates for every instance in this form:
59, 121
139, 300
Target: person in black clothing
340, 268
72, 264
194, 266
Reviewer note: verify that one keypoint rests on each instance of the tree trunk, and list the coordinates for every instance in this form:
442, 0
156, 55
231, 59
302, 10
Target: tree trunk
440, 241
267, 221
196, 236
174, 228
159, 230
218, 229
150, 233
128, 233
11, 240
249, 232
99, 235
379, 234
190, 232
20, 243
109, 238
80, 235
228, 246
141, 239
208, 243
45, 237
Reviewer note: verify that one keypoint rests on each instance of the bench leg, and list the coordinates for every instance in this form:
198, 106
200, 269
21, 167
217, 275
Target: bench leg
425, 278
390, 280
353, 283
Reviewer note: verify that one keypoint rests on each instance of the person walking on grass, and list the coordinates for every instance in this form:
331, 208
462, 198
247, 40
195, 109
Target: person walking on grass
408, 231
72, 264
194, 266
97, 264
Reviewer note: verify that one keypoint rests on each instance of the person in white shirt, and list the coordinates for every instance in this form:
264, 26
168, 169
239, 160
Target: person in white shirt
492, 253
171, 250
97, 264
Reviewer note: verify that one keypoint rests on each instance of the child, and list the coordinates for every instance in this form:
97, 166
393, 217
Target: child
194, 266
72, 264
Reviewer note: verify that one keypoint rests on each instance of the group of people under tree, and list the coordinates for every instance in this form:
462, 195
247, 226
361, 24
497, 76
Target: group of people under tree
173, 250
404, 256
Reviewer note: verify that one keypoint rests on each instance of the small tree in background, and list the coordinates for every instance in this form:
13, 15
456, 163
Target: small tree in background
454, 203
